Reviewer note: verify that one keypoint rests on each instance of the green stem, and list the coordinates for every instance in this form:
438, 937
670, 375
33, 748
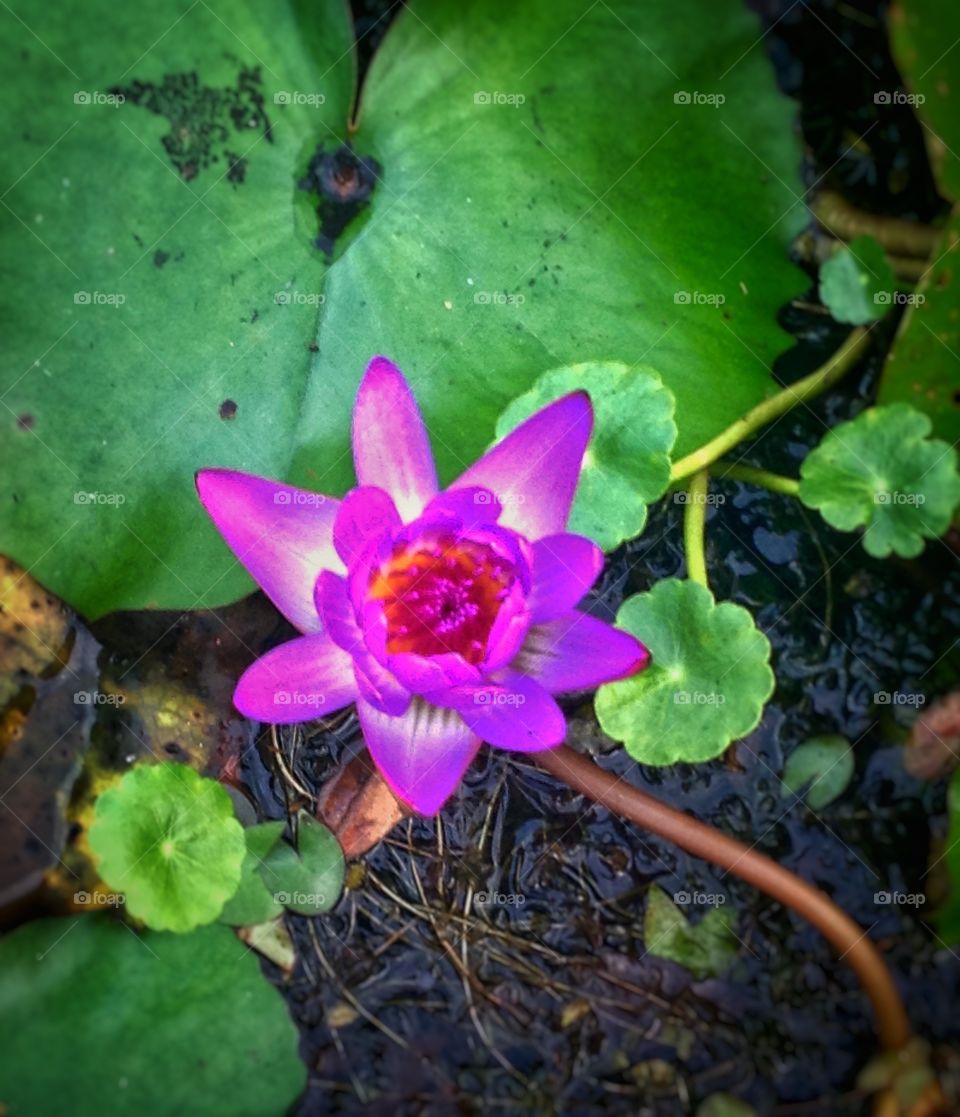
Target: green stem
775, 482
841, 361
694, 519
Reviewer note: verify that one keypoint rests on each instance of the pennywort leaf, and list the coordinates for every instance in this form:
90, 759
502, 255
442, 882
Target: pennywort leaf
882, 472
707, 683
167, 839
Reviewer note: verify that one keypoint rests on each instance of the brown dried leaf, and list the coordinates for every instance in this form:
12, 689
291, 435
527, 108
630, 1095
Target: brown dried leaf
358, 806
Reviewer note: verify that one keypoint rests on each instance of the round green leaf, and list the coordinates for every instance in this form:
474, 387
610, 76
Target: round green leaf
819, 770
308, 879
167, 839
882, 472
857, 283
252, 902
627, 464
100, 1022
518, 224
706, 685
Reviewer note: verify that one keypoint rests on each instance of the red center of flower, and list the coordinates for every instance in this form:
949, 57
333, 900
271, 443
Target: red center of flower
441, 595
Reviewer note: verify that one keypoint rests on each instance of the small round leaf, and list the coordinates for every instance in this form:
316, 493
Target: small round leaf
857, 283
819, 770
627, 464
252, 903
308, 879
707, 683
882, 472
167, 839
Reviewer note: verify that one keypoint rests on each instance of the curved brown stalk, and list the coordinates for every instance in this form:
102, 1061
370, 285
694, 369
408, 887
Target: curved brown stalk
850, 940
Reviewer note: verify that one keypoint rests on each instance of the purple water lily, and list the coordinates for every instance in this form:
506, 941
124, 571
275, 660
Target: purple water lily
448, 617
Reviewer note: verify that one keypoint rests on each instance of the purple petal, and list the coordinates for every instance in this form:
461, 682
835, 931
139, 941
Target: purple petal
374, 682
390, 444
281, 534
508, 630
297, 681
422, 755
366, 514
564, 568
469, 507
423, 674
534, 470
514, 712
577, 652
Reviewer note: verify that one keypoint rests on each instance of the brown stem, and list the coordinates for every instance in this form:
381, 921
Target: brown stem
902, 238
704, 841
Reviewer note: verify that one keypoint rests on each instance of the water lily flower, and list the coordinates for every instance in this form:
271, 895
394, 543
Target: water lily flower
449, 617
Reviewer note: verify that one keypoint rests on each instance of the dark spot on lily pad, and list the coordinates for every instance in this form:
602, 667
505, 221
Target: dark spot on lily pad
342, 182
204, 119
160, 258
228, 409
25, 421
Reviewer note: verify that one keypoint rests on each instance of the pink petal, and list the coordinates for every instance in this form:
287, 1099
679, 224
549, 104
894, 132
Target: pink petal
514, 712
422, 755
390, 444
281, 534
297, 681
578, 652
374, 682
470, 507
564, 569
366, 513
534, 470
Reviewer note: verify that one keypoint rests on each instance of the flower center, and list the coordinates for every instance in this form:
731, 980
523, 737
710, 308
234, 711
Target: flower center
442, 595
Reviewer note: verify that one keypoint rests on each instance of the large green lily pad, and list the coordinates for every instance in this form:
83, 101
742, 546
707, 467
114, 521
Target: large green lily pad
519, 224
98, 1021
